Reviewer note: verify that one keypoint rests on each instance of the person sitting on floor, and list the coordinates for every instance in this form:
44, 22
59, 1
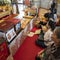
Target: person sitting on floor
47, 36
53, 10
54, 13
49, 15
52, 52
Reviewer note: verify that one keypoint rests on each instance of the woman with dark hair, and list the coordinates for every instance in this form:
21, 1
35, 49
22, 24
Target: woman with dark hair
47, 36
53, 10
51, 24
52, 3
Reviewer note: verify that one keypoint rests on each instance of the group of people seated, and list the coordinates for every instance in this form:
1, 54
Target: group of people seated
52, 52
49, 37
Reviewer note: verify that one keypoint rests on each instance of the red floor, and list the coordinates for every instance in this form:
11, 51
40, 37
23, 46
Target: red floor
28, 49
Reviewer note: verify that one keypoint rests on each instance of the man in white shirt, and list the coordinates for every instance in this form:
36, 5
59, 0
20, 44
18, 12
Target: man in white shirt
47, 36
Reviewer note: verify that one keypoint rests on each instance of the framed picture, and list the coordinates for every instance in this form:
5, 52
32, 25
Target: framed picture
10, 34
17, 26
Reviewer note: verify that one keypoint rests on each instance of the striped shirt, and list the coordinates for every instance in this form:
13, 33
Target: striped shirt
52, 53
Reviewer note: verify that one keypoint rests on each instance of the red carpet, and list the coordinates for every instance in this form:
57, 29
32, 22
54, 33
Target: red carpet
28, 49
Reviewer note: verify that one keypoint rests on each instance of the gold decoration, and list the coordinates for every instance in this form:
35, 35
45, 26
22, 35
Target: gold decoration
58, 1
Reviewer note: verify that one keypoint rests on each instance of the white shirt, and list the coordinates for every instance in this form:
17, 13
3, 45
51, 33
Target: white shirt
55, 17
47, 38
